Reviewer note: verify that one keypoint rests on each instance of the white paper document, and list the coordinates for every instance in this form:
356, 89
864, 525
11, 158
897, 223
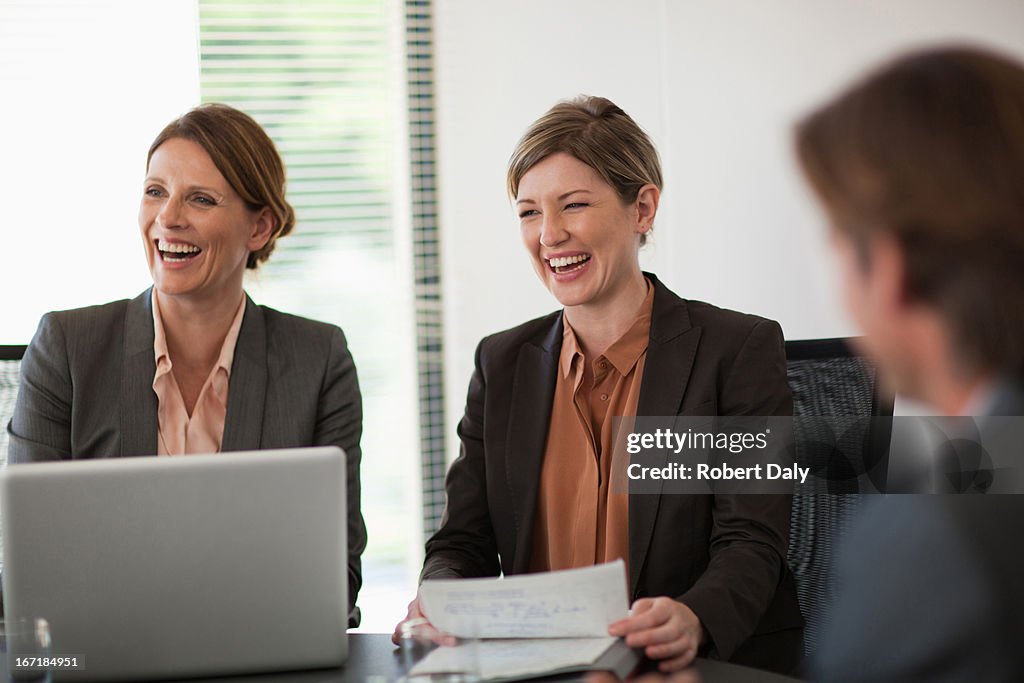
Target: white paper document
497, 659
566, 604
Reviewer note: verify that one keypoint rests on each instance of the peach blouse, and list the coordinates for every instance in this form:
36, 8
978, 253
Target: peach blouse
202, 432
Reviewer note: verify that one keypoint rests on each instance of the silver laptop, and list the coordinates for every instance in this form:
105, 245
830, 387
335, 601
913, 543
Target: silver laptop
181, 566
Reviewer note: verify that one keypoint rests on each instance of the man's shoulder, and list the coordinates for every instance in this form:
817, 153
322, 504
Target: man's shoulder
916, 529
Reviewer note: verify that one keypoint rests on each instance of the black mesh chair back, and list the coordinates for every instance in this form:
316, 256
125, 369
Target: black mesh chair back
10, 370
842, 434
10, 367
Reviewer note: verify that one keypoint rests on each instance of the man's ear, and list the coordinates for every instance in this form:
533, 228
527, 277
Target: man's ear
263, 226
887, 272
646, 208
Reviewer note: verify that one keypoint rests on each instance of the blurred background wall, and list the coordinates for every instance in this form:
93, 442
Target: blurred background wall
718, 85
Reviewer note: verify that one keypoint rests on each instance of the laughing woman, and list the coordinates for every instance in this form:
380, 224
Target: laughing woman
192, 365
530, 490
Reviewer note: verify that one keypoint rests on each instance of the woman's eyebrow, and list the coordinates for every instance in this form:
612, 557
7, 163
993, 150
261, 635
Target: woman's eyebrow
203, 188
191, 188
560, 197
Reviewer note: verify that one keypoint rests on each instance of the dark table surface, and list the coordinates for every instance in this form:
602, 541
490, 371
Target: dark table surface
373, 659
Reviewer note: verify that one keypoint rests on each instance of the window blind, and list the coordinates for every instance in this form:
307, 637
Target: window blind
323, 77
316, 76
419, 48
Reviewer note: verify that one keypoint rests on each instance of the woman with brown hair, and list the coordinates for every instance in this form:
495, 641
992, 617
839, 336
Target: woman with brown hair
192, 365
531, 489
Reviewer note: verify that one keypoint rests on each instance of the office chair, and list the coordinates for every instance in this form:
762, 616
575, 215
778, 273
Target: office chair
10, 366
841, 431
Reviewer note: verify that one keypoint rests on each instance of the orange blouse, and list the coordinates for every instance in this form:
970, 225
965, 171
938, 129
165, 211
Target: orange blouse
580, 520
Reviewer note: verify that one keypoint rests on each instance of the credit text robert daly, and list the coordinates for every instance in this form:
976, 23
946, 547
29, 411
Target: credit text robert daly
734, 442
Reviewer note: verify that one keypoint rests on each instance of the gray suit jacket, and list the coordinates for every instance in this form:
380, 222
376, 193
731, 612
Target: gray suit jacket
930, 589
86, 392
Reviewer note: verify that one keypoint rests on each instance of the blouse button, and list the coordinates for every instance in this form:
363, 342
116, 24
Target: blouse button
604, 397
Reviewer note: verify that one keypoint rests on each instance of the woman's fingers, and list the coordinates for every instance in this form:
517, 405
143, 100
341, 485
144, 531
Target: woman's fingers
412, 613
666, 632
681, 662
647, 613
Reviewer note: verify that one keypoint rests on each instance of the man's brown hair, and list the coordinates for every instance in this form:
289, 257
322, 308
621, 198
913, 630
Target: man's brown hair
929, 150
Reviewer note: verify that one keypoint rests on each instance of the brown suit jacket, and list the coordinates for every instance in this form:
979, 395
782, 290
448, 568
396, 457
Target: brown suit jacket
723, 556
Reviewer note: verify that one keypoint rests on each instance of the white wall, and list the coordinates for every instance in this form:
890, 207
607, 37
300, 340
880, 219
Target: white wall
86, 88
718, 85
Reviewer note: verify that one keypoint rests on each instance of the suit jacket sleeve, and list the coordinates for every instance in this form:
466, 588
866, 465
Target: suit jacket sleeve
750, 533
916, 601
340, 423
464, 546
41, 426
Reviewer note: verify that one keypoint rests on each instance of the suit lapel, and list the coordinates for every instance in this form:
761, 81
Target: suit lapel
670, 353
138, 408
247, 388
533, 389
1007, 399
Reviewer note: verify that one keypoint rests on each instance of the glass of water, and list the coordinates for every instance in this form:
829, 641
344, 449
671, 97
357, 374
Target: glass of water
429, 656
25, 650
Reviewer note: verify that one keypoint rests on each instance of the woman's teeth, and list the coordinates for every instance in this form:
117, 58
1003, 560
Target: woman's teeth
566, 264
175, 252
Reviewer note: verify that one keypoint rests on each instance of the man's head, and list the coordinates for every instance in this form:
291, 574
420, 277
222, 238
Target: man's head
920, 167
